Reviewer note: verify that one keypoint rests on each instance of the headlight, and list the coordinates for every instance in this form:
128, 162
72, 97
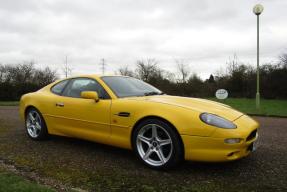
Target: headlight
217, 121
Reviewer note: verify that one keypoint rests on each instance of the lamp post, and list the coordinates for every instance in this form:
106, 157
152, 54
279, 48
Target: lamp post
257, 10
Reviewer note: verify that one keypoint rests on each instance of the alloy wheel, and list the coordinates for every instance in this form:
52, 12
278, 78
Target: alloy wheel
154, 144
33, 123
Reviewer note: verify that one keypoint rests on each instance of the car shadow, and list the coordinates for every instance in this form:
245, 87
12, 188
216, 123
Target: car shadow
127, 159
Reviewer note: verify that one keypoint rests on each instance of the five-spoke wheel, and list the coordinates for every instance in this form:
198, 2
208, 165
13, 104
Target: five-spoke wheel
35, 124
157, 144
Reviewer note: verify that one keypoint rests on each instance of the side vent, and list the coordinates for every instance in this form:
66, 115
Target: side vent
123, 114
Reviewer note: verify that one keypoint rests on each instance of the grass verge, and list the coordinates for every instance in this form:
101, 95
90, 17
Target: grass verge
9, 103
267, 107
9, 182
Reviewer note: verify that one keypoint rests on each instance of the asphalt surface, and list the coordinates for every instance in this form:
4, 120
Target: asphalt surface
97, 167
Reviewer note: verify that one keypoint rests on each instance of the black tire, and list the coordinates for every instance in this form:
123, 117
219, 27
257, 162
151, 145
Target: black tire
176, 154
42, 133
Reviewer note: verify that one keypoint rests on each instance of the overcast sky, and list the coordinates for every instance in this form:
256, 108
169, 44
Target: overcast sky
205, 33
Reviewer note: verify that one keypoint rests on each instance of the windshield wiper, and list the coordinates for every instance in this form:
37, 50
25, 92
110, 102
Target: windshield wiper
153, 93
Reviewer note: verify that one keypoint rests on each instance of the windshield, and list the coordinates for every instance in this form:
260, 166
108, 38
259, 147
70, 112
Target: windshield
128, 86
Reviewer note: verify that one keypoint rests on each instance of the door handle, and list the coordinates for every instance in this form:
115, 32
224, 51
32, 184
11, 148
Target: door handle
60, 105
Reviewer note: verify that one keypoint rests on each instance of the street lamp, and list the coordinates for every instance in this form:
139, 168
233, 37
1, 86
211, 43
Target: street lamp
257, 10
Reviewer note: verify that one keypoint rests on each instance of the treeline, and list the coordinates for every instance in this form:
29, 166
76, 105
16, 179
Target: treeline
16, 80
238, 78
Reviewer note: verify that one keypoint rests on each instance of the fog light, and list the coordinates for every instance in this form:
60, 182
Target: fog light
232, 140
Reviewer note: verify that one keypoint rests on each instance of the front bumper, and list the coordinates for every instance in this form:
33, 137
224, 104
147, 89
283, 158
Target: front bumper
214, 149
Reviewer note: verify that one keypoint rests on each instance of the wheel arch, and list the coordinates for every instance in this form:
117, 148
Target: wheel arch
161, 119
29, 107
37, 109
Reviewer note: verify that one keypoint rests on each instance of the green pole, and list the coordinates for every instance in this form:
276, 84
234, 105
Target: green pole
257, 91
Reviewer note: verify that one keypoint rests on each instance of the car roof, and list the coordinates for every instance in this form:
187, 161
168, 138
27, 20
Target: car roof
94, 76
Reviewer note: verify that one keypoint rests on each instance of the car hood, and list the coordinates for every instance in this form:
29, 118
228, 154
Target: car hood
196, 104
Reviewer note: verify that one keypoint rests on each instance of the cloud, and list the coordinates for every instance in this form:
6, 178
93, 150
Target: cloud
205, 33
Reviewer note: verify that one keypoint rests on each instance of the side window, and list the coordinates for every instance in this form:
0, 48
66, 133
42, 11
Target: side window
59, 87
76, 86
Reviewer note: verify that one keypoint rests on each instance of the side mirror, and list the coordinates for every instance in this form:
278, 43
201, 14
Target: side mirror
90, 95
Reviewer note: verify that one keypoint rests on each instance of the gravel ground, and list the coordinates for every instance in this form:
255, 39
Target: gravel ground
65, 163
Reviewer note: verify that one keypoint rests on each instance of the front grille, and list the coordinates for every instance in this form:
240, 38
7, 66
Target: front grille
252, 135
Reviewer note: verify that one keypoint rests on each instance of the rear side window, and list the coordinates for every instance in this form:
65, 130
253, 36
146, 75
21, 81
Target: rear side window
59, 87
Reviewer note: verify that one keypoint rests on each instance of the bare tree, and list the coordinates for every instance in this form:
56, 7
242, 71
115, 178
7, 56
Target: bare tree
183, 69
2, 73
27, 70
232, 64
20, 73
67, 70
45, 76
146, 69
169, 76
126, 71
220, 72
283, 60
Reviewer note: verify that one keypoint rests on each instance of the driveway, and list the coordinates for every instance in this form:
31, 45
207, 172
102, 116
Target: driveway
67, 163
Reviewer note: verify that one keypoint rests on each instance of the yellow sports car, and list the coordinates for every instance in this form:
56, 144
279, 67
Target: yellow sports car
129, 113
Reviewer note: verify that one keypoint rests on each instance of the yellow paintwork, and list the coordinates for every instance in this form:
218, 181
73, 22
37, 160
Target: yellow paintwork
98, 121
90, 95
